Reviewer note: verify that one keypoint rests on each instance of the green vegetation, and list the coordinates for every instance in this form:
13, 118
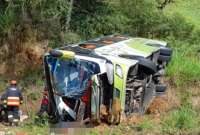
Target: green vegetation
184, 68
184, 119
188, 9
145, 125
176, 22
39, 126
52, 20
32, 129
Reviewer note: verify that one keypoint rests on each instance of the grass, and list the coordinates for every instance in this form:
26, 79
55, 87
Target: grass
184, 68
27, 128
33, 130
181, 120
187, 8
145, 125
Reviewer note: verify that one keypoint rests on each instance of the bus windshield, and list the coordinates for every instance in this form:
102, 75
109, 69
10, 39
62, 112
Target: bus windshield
70, 77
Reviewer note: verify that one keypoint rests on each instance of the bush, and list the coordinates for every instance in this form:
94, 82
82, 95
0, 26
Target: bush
7, 21
143, 18
180, 28
97, 18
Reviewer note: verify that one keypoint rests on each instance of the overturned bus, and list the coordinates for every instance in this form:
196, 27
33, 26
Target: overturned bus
104, 78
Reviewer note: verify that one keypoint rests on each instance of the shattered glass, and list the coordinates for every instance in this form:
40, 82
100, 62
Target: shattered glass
71, 76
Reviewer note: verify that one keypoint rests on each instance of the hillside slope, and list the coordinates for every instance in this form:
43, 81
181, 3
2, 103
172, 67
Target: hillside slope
178, 111
187, 8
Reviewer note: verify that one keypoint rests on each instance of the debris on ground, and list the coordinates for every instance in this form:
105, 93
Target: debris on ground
164, 103
23, 118
158, 106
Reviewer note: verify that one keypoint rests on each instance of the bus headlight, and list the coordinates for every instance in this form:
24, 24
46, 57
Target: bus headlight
119, 71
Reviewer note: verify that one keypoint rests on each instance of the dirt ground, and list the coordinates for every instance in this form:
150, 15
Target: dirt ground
159, 106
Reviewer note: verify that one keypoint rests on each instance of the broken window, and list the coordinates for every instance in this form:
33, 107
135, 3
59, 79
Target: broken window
71, 77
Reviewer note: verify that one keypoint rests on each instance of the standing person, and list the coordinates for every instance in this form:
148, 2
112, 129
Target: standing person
13, 98
3, 109
44, 103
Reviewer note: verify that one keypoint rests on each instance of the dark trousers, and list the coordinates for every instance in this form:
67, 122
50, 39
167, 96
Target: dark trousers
43, 109
1, 112
13, 110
